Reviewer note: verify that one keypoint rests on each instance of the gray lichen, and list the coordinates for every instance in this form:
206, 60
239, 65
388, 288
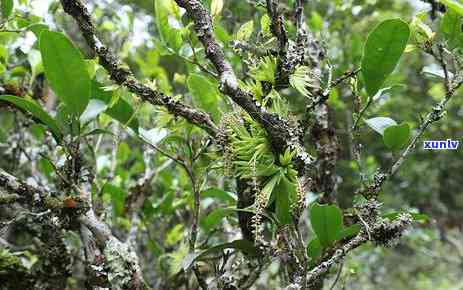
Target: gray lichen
123, 268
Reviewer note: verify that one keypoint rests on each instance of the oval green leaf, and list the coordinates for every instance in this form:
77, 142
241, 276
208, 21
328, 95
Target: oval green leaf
395, 137
118, 196
94, 108
121, 111
382, 51
326, 222
245, 31
214, 218
36, 111
283, 191
205, 93
451, 28
66, 71
244, 246
7, 8
314, 249
170, 36
220, 194
458, 7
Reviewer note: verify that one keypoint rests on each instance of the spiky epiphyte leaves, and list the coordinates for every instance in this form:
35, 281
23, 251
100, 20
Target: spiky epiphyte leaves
271, 100
279, 186
254, 88
264, 70
277, 104
273, 180
250, 147
304, 80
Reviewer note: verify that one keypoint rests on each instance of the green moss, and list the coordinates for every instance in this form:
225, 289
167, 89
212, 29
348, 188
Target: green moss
10, 262
8, 198
53, 202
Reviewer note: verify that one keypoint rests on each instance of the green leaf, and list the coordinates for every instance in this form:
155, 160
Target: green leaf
175, 235
121, 111
219, 194
455, 5
283, 191
94, 108
270, 186
264, 70
153, 136
46, 167
382, 51
326, 222
7, 8
283, 208
451, 28
213, 219
35, 61
265, 24
316, 21
123, 152
243, 245
37, 29
349, 231
379, 124
170, 36
221, 33
117, 195
216, 7
420, 30
314, 249
245, 31
205, 93
66, 70
395, 137
35, 109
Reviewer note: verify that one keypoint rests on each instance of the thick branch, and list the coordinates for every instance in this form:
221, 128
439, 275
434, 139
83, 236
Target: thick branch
228, 81
122, 262
23, 192
280, 133
123, 76
278, 30
377, 230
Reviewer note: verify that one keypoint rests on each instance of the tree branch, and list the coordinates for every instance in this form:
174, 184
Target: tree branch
324, 95
381, 232
123, 76
124, 270
280, 133
25, 194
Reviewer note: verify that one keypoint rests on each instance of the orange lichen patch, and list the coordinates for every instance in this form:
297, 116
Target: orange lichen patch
70, 202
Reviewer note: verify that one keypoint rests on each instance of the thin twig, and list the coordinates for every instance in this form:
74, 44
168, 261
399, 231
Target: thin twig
362, 112
338, 275
435, 115
324, 95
